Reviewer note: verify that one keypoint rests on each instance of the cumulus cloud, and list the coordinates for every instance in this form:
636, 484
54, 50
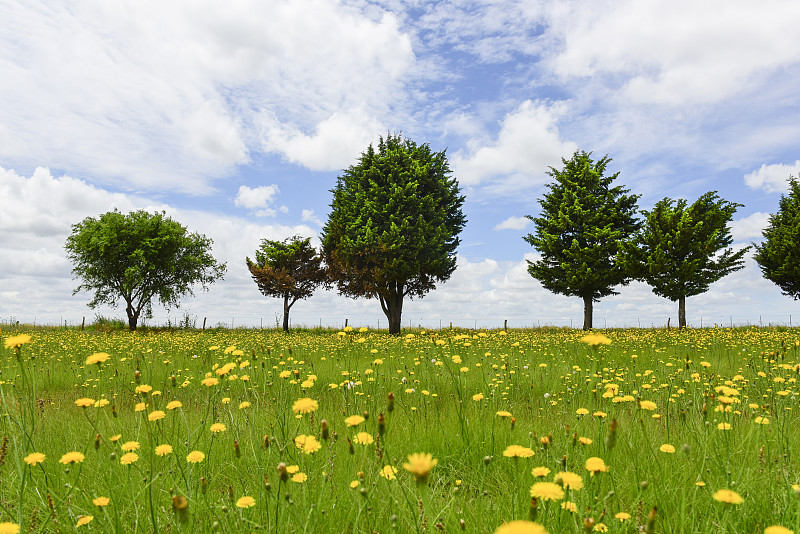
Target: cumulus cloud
750, 227
772, 178
526, 145
259, 199
308, 216
513, 223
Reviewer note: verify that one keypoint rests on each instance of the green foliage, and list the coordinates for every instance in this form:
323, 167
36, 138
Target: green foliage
779, 254
289, 269
583, 222
394, 224
139, 257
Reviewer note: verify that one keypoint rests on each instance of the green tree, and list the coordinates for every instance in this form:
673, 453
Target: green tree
681, 250
289, 269
139, 257
580, 230
394, 224
779, 254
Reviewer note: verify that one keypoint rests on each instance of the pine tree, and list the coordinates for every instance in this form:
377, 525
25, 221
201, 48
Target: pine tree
779, 254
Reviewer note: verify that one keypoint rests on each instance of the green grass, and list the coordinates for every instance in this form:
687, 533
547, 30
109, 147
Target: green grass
542, 378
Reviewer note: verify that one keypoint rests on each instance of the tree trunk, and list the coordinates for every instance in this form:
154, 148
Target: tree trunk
588, 304
393, 308
286, 307
682, 312
133, 317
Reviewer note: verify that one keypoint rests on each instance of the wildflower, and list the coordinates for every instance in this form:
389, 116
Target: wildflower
101, 501
243, 405
155, 415
305, 405
140, 406
647, 405
569, 480
115, 438
195, 457
144, 389
520, 527
98, 358
129, 446
595, 340
540, 471
84, 520
292, 469
163, 450
599, 414
420, 465
596, 465
517, 451
388, 472
547, 491
355, 483
669, 449
218, 427
307, 444
15, 342
581, 411
210, 381
503, 413
622, 516
299, 478
569, 506
477, 397
246, 502
84, 402
101, 403
354, 420
9, 528
762, 420
34, 458
600, 527
364, 438
72, 458
585, 441
724, 426
777, 529
128, 458
728, 496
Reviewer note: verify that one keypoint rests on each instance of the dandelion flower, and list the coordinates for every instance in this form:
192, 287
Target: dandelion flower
517, 451
728, 496
582, 411
304, 406
9, 528
596, 465
246, 502
547, 491
155, 415
72, 458
355, 483
540, 471
84, 402
34, 458
595, 340
163, 450
762, 421
129, 446
243, 405
15, 342
115, 437
101, 501
307, 444
724, 426
218, 427
140, 406
195, 457
777, 529
569, 480
585, 441
354, 420
520, 527
299, 478
647, 405
128, 458
503, 413
622, 516
420, 464
84, 520
144, 389
97, 357
210, 381
292, 469
174, 404
477, 397
364, 438
669, 449
388, 472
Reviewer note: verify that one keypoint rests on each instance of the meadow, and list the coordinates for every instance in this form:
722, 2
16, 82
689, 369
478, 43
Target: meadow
435, 431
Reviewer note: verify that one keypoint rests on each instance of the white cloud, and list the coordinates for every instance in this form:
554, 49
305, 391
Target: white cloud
308, 216
750, 227
772, 178
259, 199
513, 223
527, 144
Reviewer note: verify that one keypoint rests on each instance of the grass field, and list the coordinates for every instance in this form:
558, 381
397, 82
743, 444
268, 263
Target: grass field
253, 430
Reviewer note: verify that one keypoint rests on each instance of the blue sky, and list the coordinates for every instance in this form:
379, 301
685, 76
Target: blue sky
237, 117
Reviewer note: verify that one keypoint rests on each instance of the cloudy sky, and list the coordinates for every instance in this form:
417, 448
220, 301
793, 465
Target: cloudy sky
236, 118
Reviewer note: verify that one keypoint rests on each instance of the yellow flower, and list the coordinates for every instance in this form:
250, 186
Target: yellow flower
777, 529
388, 472
728, 496
195, 457
364, 438
130, 446
762, 420
354, 420
14, 342
101, 501
84, 402
305, 405
144, 389
724, 426
243, 405
547, 491
517, 451
218, 427
155, 415
83, 520
72, 458
503, 413
355, 483
307, 444
34, 458
163, 450
9, 528
596, 465
569, 480
420, 464
97, 357
140, 406
600, 527
669, 449
540, 471
569, 506
174, 404
210, 381
477, 397
246, 502
292, 469
647, 405
595, 340
115, 437
622, 516
520, 527
581, 411
585, 441
299, 478
128, 458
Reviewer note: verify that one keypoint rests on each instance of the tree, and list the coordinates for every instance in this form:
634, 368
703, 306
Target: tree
289, 269
138, 257
394, 224
580, 230
779, 254
680, 251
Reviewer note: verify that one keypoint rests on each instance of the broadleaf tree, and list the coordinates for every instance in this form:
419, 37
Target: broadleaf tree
290, 270
579, 233
394, 223
779, 254
139, 257
681, 250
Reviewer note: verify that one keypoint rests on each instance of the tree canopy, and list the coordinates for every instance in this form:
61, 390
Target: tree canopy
289, 269
779, 254
394, 223
580, 230
681, 250
139, 257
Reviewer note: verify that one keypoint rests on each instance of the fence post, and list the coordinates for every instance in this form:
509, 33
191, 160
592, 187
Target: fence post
204, 322
505, 325
83, 322
345, 323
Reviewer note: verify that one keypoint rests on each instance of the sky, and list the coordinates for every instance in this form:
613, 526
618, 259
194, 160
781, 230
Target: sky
237, 117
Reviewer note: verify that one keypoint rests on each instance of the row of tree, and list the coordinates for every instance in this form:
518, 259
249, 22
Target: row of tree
394, 227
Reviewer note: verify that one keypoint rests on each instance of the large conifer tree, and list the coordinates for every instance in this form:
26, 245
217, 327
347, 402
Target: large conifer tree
779, 254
